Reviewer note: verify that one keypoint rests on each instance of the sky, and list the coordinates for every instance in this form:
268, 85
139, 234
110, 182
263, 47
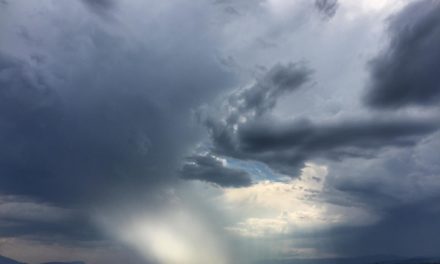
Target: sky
218, 131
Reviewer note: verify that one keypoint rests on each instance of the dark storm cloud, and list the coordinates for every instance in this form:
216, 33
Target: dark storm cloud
101, 122
401, 188
327, 7
406, 73
67, 157
99, 6
407, 230
24, 217
210, 169
54, 152
286, 147
76, 228
308, 137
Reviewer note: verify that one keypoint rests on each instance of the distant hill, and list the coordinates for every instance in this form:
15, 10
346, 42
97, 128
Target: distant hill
413, 261
5, 260
73, 262
360, 260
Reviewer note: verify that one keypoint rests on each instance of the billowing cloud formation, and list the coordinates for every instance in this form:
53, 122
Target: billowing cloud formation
97, 122
92, 114
252, 103
377, 161
405, 73
245, 130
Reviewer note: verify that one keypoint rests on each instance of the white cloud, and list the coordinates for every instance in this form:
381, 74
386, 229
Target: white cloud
271, 208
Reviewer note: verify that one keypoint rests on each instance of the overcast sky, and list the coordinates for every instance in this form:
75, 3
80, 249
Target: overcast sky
218, 131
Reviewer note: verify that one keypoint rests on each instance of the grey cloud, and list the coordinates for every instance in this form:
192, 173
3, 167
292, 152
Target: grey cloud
99, 6
408, 230
375, 183
401, 186
406, 72
255, 101
308, 137
208, 168
99, 119
286, 146
278, 81
17, 210
249, 103
74, 230
21, 216
246, 131
53, 152
327, 7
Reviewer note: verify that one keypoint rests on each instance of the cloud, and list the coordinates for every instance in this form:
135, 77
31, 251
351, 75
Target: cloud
16, 209
285, 146
263, 95
99, 6
39, 221
401, 186
408, 230
279, 212
99, 119
246, 130
240, 106
405, 74
370, 177
211, 169
96, 121
327, 7
60, 151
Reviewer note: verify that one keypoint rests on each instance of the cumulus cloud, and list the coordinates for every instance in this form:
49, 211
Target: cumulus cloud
246, 129
404, 74
372, 157
248, 103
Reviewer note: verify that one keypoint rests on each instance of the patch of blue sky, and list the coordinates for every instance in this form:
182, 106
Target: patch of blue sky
259, 171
